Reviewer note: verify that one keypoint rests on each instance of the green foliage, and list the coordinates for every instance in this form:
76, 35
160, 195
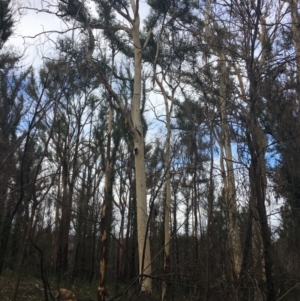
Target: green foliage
12, 85
6, 21
160, 6
119, 42
106, 11
74, 9
154, 154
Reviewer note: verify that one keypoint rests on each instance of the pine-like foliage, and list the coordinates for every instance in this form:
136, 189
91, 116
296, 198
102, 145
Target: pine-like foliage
6, 22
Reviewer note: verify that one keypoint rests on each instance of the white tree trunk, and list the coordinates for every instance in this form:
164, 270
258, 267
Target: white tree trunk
138, 138
228, 176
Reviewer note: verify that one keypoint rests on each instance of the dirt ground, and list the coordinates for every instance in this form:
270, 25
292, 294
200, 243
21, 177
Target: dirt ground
31, 289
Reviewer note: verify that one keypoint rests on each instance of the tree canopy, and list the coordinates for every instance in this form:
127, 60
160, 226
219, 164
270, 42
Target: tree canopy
153, 153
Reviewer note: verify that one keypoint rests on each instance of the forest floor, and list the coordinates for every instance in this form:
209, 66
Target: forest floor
31, 288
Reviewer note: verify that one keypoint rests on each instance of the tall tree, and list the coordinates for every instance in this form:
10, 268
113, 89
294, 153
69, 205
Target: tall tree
216, 36
256, 32
12, 101
111, 26
167, 81
114, 136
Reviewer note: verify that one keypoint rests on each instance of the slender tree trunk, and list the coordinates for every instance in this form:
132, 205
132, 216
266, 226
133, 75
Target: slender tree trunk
257, 143
92, 270
228, 176
228, 173
176, 243
24, 248
65, 219
257, 148
55, 235
131, 233
4, 234
106, 213
141, 201
121, 265
70, 172
166, 282
210, 200
167, 204
13, 208
121, 246
6, 206
134, 124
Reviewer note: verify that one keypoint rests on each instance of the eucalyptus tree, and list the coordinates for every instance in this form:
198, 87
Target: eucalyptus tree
168, 81
112, 19
169, 51
198, 58
254, 53
216, 35
115, 134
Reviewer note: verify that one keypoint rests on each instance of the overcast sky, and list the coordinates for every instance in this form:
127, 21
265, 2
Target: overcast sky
31, 23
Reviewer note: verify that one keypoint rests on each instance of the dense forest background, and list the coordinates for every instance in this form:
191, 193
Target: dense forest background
157, 156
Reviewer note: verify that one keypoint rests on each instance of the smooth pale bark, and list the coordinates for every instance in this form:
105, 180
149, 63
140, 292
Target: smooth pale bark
55, 236
134, 125
167, 238
210, 201
106, 212
137, 131
70, 172
167, 162
131, 226
167, 204
228, 175
225, 143
122, 206
121, 254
